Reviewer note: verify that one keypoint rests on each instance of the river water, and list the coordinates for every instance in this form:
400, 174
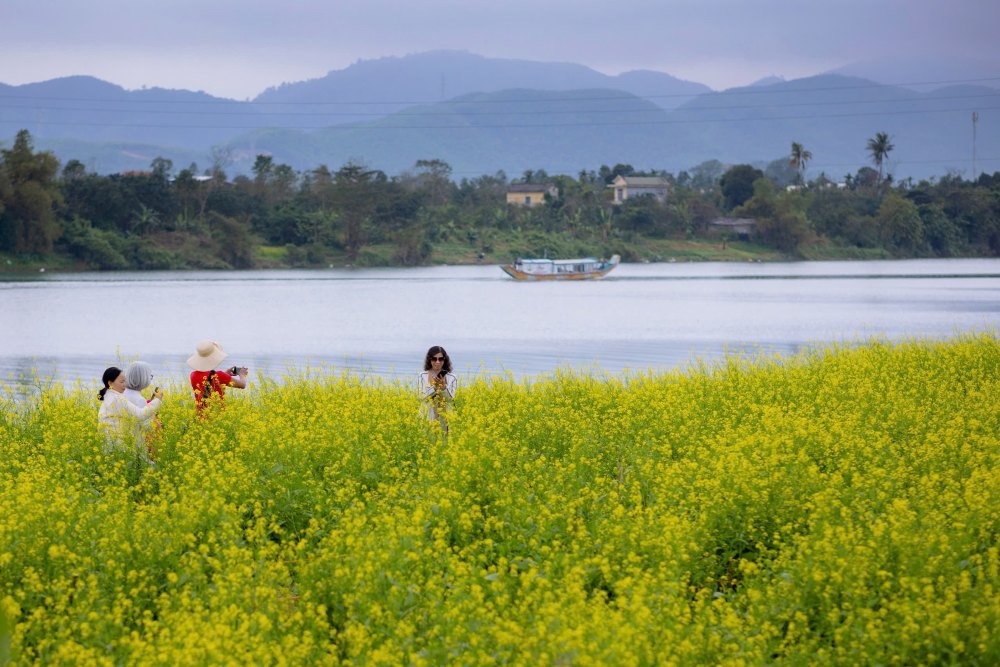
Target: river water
380, 322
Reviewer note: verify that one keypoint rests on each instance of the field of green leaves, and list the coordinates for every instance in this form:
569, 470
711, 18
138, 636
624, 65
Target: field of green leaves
839, 507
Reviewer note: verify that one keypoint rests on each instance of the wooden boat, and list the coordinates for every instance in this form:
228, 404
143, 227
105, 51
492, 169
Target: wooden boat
560, 269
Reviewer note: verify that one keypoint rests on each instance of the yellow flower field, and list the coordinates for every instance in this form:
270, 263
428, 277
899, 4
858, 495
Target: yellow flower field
838, 507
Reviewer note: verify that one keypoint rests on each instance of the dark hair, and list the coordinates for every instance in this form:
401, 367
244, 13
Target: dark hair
445, 367
110, 375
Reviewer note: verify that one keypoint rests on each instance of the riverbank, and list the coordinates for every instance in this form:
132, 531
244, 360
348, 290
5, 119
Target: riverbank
458, 254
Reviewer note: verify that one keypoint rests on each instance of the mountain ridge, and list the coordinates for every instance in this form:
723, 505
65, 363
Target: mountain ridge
510, 129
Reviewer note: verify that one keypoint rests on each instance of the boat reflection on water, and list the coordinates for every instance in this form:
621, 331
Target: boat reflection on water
585, 268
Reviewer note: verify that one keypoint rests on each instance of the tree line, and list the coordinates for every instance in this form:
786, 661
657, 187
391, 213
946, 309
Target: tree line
163, 218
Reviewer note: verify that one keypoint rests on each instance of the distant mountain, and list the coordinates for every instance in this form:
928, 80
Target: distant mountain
927, 73
481, 133
564, 132
379, 87
88, 109
768, 81
647, 119
834, 116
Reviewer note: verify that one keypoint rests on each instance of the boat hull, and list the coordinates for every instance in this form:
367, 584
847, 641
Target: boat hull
525, 276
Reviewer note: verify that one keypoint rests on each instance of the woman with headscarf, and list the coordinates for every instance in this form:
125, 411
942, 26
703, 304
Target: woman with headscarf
138, 376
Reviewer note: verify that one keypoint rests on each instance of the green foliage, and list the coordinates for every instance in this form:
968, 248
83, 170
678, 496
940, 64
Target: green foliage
879, 147
234, 240
323, 217
146, 254
900, 226
414, 248
737, 184
798, 159
943, 238
28, 198
781, 219
98, 248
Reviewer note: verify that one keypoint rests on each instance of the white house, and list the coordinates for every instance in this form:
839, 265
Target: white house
627, 187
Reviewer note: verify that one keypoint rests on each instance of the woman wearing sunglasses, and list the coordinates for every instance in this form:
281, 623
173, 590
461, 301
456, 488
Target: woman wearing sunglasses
437, 385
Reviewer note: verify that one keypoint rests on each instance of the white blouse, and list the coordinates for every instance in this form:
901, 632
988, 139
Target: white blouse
428, 392
122, 421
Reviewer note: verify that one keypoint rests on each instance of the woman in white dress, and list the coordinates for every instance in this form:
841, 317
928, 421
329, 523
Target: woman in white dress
120, 421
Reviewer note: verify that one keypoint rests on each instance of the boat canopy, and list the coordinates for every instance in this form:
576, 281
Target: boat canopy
582, 265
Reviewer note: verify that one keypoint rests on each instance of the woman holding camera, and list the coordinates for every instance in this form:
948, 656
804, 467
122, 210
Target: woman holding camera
437, 385
209, 385
122, 422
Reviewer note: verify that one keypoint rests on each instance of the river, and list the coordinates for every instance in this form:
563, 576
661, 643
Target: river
69, 327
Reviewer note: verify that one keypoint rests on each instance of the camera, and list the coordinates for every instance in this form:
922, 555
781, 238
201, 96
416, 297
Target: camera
235, 370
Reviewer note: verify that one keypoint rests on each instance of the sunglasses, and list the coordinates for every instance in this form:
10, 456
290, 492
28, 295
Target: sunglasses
437, 358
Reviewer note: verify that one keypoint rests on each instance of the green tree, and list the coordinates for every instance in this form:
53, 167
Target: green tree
162, 167
222, 157
186, 189
30, 195
318, 186
234, 241
781, 172
433, 178
879, 147
780, 222
900, 227
737, 184
355, 199
799, 158
706, 174
939, 232
263, 169
98, 248
283, 183
74, 170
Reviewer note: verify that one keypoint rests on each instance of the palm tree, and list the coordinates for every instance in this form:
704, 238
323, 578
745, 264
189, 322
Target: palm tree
800, 156
879, 147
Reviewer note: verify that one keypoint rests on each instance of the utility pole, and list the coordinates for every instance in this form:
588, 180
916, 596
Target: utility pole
975, 119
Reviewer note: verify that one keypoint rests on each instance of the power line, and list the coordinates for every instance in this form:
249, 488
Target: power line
635, 123
822, 166
503, 113
767, 90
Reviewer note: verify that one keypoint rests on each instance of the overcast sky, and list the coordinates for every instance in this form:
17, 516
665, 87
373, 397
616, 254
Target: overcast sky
237, 48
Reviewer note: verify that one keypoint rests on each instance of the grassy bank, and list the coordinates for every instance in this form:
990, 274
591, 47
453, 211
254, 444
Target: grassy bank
537, 245
842, 507
454, 253
30, 264
500, 252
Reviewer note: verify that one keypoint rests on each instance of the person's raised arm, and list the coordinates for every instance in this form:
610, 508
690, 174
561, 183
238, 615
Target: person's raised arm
240, 379
146, 412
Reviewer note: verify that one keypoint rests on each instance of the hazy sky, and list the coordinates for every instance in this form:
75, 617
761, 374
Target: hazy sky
237, 48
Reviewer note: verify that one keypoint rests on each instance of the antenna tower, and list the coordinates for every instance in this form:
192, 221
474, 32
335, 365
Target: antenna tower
975, 119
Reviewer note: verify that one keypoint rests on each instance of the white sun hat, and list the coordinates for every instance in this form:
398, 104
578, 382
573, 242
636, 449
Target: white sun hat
208, 354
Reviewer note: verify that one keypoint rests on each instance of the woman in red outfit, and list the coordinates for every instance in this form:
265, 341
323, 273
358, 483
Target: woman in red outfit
209, 383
